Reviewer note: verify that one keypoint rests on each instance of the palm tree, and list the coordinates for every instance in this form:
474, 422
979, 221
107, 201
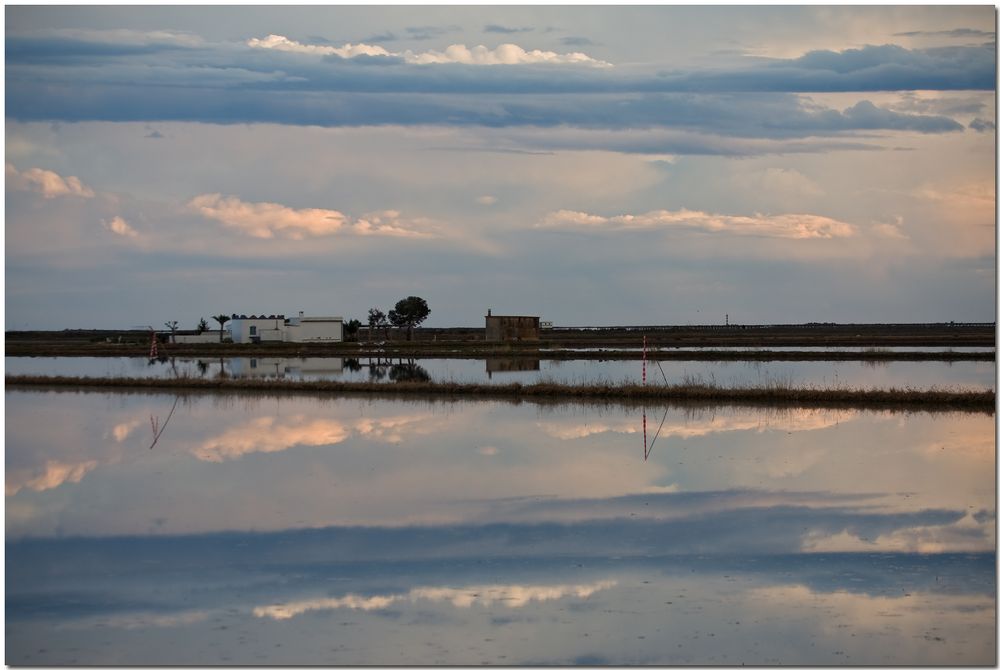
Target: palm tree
221, 318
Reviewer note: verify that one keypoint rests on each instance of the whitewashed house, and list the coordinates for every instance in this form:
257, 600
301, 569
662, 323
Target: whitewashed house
276, 328
253, 328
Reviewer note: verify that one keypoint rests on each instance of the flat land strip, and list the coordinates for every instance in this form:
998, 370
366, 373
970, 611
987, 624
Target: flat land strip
877, 342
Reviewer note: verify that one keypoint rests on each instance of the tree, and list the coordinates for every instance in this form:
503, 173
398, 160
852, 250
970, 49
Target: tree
409, 372
351, 329
376, 319
202, 326
409, 313
221, 319
172, 325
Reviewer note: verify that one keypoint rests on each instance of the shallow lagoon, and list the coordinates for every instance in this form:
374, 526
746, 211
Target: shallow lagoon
297, 530
965, 375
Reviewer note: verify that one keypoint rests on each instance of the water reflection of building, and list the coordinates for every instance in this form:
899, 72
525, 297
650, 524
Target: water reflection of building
281, 367
315, 367
511, 365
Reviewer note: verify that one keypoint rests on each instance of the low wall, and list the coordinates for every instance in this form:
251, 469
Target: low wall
206, 337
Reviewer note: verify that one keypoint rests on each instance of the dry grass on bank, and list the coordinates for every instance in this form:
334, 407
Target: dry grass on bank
781, 393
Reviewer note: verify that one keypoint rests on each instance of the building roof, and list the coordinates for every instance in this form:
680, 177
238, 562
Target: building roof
268, 317
511, 316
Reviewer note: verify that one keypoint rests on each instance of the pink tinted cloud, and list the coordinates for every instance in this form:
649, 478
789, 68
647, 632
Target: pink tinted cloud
46, 182
788, 226
120, 226
269, 219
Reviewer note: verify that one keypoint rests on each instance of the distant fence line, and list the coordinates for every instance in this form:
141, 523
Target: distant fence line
732, 326
789, 326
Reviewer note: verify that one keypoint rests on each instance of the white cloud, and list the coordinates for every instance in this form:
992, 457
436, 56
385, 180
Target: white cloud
966, 534
565, 217
269, 434
789, 226
580, 431
121, 431
282, 43
387, 223
127, 36
790, 421
510, 595
350, 601
980, 195
486, 200
55, 474
396, 429
892, 231
505, 54
46, 182
267, 219
486, 595
119, 226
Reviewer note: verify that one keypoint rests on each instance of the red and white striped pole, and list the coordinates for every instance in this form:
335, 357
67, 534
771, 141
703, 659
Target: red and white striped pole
645, 449
152, 347
643, 360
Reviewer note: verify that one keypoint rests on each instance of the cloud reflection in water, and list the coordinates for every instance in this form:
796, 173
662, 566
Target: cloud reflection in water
508, 595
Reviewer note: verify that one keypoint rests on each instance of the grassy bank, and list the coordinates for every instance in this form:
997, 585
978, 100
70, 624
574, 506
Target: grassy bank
906, 398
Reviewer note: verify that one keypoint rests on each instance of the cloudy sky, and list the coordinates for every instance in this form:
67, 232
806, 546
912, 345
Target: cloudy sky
591, 165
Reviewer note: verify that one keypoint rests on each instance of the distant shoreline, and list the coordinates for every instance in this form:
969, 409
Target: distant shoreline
875, 342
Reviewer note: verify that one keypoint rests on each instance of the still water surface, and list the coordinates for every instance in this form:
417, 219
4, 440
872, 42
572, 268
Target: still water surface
971, 375
296, 530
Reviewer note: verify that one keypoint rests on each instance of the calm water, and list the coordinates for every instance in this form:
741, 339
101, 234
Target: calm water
855, 374
296, 530
784, 348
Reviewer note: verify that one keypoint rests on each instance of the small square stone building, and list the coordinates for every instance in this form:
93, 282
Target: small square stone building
511, 328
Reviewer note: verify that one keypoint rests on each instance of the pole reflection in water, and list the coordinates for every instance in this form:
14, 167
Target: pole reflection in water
298, 530
647, 450
155, 423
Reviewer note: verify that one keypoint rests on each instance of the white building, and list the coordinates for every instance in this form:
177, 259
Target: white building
255, 328
315, 329
276, 328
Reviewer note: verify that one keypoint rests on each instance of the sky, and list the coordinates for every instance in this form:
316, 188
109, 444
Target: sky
590, 165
